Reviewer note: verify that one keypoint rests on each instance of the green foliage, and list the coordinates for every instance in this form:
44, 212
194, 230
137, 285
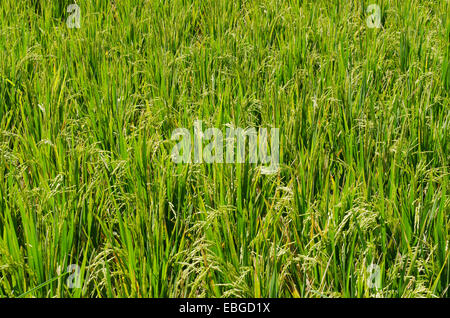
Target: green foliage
86, 176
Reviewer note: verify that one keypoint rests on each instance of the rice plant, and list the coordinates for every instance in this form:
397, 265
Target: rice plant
92, 204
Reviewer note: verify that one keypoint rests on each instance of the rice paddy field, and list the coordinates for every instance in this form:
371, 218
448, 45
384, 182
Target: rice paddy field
92, 203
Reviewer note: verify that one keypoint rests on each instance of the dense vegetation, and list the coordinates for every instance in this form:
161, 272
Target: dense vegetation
86, 176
